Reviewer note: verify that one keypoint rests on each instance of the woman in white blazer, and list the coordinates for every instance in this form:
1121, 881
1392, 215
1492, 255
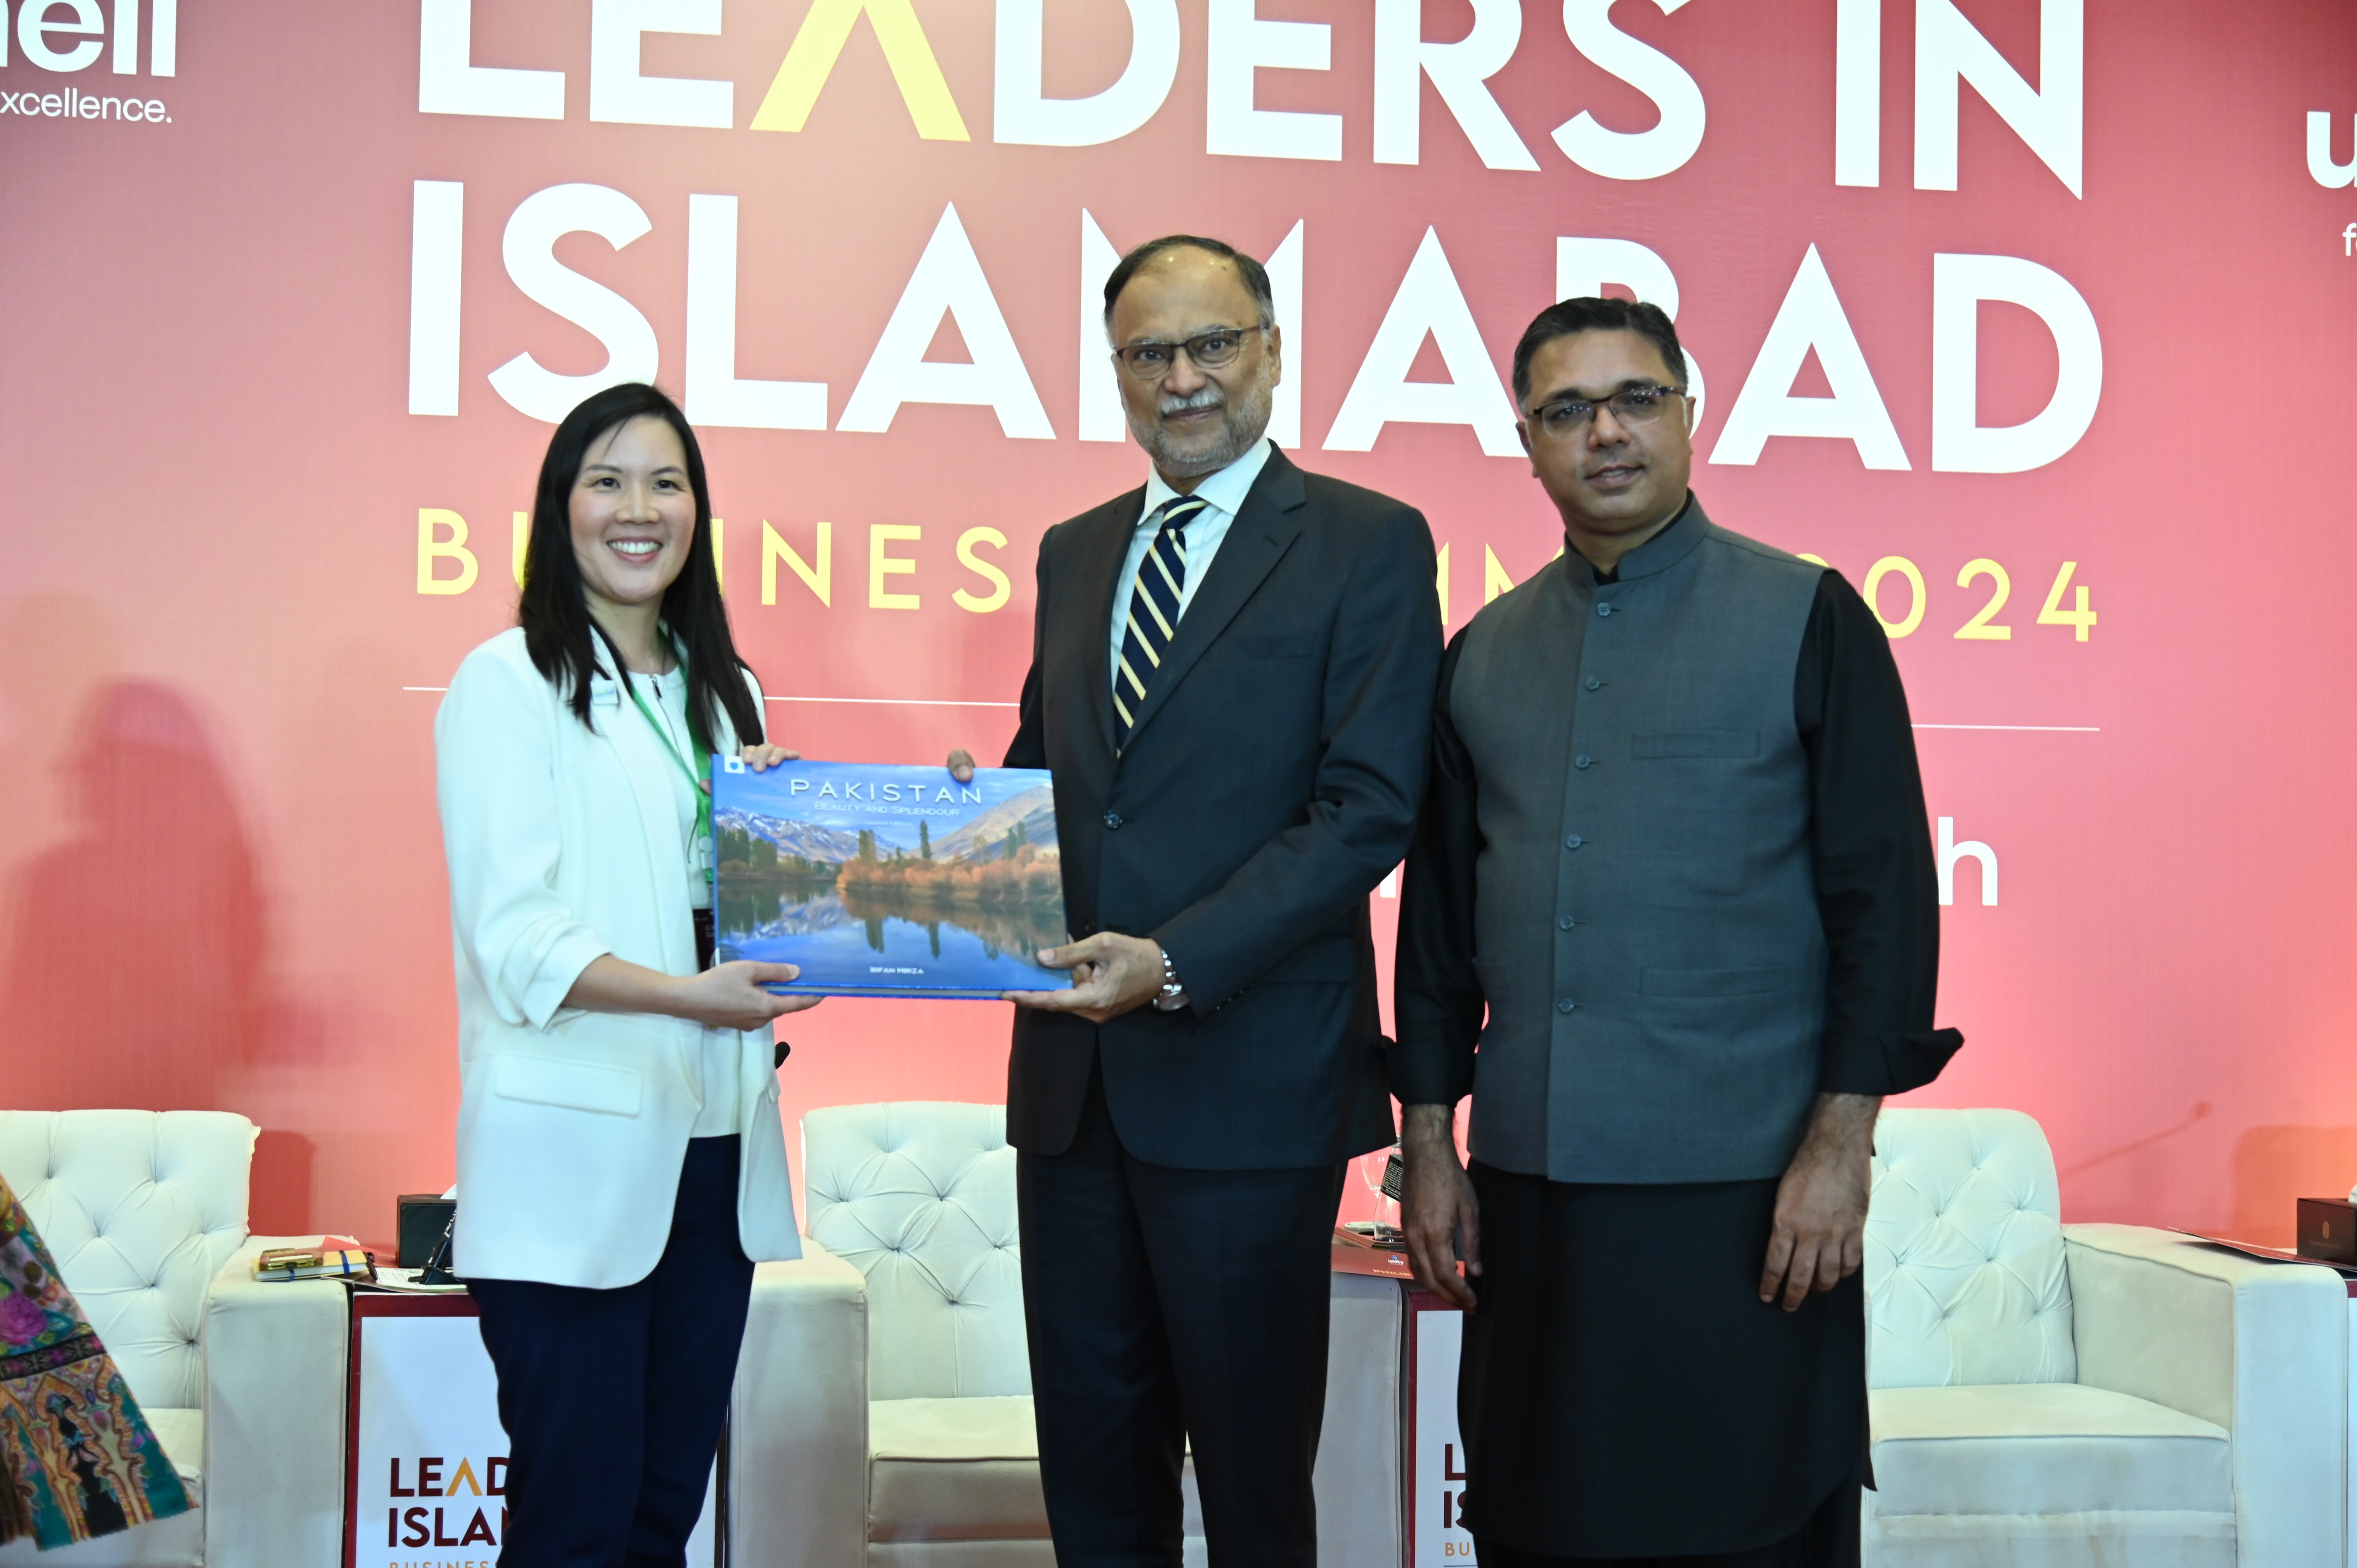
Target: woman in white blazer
620, 1162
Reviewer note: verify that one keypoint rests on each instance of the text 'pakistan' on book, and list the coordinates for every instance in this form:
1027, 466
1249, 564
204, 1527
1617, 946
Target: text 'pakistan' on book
890, 881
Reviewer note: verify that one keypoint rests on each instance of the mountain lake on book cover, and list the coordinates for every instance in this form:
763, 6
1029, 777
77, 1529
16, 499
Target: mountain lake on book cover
890, 879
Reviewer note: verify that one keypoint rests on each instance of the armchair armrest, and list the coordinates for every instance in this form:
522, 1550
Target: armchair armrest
2260, 1348
798, 1433
274, 1368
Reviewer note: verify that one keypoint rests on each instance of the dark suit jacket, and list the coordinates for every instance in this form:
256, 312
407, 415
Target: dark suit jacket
1271, 781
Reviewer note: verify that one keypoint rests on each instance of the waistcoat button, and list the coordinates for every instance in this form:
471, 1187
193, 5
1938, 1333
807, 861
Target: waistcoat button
1605, 608
1592, 683
1113, 821
1565, 922
1581, 760
1566, 1004
1571, 842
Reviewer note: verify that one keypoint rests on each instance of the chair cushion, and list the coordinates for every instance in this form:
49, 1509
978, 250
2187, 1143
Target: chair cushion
2043, 1448
974, 1554
955, 1469
175, 1542
1964, 1270
182, 1433
920, 1198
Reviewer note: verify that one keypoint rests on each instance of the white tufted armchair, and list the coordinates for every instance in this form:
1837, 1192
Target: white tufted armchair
144, 1212
2046, 1395
919, 1199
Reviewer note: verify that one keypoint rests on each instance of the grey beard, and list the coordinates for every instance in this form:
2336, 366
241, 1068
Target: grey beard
1246, 423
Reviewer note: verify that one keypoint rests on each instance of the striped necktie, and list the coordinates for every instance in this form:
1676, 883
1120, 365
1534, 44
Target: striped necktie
1152, 614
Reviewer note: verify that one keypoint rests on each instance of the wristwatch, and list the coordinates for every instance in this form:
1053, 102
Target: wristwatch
1173, 994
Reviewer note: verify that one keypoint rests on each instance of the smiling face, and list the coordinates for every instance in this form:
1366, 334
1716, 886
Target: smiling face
633, 515
1615, 484
1194, 422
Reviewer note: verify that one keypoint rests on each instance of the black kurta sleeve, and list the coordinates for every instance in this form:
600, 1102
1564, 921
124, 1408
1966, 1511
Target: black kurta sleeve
1878, 890
1436, 999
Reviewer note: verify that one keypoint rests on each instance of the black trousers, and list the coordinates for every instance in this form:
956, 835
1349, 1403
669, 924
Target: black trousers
1829, 1540
613, 1399
1625, 1395
1171, 1306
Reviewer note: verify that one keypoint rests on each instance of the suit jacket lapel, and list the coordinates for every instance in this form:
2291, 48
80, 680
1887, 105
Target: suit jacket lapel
1257, 540
1103, 546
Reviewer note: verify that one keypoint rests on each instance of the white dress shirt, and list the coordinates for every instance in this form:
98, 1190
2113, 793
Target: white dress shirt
714, 1067
668, 698
1222, 495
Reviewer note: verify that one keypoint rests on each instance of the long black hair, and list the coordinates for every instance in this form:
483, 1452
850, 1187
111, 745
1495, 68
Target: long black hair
558, 630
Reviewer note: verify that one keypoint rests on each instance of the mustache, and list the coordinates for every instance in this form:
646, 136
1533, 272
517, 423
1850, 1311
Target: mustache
1206, 397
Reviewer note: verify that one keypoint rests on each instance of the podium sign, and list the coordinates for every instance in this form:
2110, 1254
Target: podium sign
425, 1479
1436, 1337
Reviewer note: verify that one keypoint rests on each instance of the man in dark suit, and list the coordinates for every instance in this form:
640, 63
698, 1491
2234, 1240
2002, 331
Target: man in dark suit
1231, 677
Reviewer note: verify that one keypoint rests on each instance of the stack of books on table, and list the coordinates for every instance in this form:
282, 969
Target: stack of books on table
334, 1257
1363, 1248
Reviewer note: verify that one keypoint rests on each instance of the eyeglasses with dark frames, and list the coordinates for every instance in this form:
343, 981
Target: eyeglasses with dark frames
1212, 350
1641, 404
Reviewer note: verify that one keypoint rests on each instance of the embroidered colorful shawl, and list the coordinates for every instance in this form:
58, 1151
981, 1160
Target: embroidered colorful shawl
77, 1459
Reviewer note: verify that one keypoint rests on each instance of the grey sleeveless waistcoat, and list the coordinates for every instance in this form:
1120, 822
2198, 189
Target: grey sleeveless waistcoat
1646, 924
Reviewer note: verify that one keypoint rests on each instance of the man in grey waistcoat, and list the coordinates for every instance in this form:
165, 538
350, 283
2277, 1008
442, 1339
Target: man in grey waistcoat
1674, 846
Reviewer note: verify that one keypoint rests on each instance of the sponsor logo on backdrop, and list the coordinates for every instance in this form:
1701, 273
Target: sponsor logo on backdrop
75, 105
63, 36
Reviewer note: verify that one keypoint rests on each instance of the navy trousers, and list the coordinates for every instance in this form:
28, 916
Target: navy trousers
1165, 1306
613, 1399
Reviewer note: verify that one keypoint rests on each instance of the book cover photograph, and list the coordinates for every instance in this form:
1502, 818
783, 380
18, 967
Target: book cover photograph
879, 880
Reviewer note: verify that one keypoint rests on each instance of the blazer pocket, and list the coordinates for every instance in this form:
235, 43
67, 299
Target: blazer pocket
1694, 743
576, 1085
1761, 981
1295, 645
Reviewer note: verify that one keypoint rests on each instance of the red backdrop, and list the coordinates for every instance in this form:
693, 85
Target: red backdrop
222, 870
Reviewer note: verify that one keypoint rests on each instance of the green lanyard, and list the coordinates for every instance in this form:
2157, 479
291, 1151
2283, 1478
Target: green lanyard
671, 749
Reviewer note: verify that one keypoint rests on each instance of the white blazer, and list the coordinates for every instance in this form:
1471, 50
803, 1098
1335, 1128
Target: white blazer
564, 843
